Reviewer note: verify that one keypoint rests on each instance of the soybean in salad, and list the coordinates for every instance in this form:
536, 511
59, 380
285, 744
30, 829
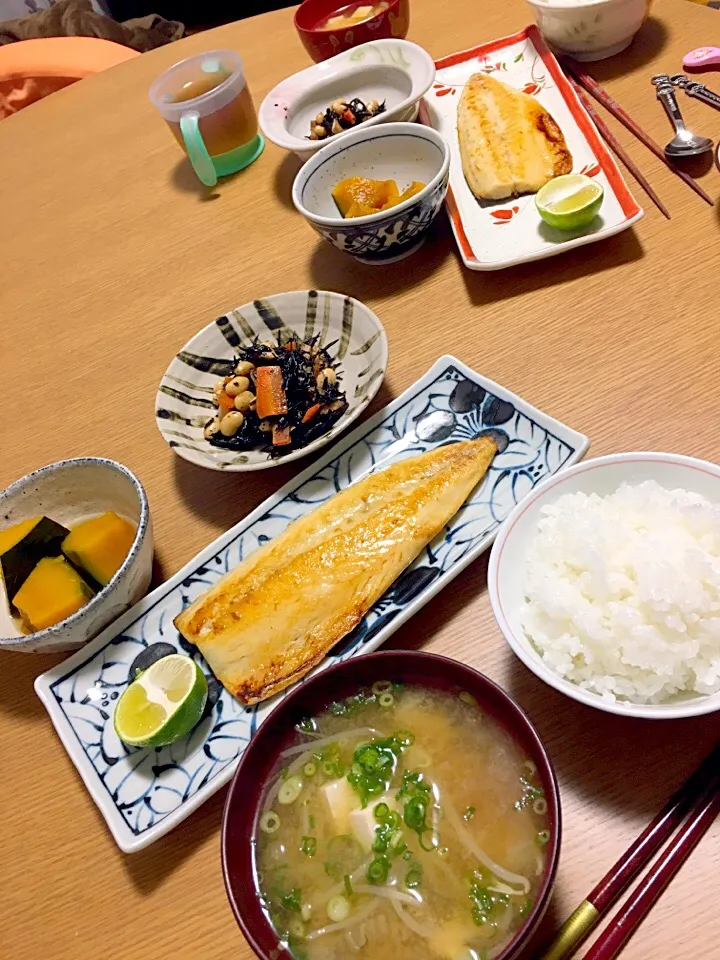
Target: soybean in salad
280, 397
405, 822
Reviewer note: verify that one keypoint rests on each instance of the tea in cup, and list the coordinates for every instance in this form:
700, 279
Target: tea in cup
207, 105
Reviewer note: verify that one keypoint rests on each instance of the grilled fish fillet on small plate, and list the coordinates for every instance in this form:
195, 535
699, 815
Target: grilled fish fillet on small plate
270, 620
509, 144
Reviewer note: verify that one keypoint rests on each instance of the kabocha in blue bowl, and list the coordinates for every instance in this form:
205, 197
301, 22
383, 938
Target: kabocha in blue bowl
405, 153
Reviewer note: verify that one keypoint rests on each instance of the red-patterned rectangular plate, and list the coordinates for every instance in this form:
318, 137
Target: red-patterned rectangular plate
493, 234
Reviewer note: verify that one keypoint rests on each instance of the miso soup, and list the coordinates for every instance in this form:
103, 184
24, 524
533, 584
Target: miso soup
405, 822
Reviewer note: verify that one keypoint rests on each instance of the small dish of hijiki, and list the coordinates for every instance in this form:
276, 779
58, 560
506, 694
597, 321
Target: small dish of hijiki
271, 380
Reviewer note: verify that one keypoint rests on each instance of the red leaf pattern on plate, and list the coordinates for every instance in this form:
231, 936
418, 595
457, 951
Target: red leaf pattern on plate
443, 89
504, 216
532, 88
591, 169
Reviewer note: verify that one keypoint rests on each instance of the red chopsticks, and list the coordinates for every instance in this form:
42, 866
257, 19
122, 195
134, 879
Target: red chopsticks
698, 800
595, 90
616, 147
629, 918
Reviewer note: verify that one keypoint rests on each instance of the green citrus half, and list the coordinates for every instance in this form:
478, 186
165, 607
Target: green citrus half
162, 704
569, 202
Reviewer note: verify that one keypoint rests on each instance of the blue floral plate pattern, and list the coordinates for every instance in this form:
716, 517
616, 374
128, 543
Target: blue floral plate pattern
145, 793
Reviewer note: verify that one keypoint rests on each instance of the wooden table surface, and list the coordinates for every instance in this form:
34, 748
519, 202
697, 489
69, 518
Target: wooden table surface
111, 258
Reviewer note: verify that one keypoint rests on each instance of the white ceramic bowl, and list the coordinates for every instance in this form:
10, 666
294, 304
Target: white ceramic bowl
71, 491
394, 71
183, 405
507, 561
590, 30
395, 151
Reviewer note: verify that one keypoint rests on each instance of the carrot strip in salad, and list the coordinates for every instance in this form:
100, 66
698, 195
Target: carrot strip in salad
271, 399
281, 436
310, 413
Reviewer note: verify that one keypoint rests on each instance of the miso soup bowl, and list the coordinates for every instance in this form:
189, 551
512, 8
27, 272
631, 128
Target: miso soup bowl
312, 696
391, 23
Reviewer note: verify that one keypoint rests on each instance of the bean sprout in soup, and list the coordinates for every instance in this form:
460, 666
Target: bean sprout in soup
405, 822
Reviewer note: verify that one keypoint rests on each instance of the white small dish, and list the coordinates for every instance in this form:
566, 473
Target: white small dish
395, 72
403, 152
589, 29
183, 404
495, 234
69, 492
507, 562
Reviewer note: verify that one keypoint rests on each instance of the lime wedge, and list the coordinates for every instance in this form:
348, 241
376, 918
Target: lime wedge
162, 704
569, 202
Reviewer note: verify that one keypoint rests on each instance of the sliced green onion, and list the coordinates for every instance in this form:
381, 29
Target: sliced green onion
405, 737
307, 725
295, 927
328, 768
467, 698
393, 820
291, 901
269, 821
338, 908
308, 846
386, 700
381, 812
414, 815
413, 877
540, 806
407, 855
338, 708
310, 769
397, 841
469, 813
311, 822
306, 912
378, 870
526, 907
290, 790
542, 838
348, 885
381, 686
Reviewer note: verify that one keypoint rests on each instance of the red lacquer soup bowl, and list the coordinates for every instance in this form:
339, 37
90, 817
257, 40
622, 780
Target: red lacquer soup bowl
391, 22
244, 801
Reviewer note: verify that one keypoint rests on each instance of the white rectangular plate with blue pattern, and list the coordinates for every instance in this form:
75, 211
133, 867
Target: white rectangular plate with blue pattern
145, 793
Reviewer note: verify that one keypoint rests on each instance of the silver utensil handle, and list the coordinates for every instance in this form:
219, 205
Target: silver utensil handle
665, 92
701, 92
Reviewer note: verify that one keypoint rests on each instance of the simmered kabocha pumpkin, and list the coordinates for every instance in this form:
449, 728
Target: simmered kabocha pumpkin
23, 545
52, 592
360, 196
100, 545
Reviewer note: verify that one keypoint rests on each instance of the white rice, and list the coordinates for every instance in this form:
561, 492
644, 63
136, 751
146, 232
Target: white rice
622, 593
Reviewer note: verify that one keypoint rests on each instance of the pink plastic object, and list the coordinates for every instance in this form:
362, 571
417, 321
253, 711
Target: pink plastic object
704, 58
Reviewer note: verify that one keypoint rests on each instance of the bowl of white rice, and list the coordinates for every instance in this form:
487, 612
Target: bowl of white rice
605, 581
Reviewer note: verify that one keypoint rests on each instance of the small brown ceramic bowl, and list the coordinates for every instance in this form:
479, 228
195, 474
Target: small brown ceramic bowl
310, 697
392, 22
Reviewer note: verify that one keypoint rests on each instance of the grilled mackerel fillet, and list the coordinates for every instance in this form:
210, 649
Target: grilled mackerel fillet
276, 615
509, 144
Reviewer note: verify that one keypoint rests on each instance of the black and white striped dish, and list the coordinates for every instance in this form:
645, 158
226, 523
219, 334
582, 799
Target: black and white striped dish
184, 401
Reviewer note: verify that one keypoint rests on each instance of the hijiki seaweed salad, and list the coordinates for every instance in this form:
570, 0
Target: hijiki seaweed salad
279, 397
342, 115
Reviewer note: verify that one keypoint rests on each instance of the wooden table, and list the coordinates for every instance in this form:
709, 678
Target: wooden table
112, 258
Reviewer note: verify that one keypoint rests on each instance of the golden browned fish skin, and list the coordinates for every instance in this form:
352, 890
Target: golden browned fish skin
276, 615
509, 144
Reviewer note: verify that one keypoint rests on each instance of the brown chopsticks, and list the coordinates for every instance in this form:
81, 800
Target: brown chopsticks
616, 147
578, 72
693, 800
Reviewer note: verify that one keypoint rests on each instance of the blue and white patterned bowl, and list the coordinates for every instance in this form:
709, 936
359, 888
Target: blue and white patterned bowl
144, 793
70, 491
394, 151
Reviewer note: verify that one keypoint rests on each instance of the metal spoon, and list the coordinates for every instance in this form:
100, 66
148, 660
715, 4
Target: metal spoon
684, 143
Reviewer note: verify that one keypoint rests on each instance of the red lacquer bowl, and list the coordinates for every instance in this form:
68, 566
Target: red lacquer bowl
312, 696
393, 22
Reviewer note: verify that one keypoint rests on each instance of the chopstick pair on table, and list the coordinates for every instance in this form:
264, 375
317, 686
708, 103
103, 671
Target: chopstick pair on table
693, 810
581, 81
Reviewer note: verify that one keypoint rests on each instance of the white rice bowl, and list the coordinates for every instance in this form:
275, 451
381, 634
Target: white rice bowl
622, 593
